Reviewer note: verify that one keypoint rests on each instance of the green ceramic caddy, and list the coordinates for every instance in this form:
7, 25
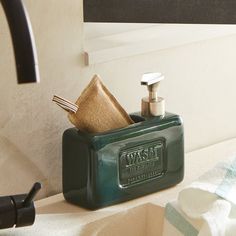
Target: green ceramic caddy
102, 169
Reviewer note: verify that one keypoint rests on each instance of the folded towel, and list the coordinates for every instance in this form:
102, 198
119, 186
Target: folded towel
207, 206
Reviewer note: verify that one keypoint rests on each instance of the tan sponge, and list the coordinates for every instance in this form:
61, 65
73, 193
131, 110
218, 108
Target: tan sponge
96, 110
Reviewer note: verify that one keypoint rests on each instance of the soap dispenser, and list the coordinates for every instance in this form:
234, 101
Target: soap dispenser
101, 169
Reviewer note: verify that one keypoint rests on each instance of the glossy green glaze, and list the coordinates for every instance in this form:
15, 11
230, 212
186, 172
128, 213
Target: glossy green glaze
119, 165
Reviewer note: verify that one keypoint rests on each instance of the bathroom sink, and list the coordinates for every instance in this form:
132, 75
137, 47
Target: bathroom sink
129, 218
140, 217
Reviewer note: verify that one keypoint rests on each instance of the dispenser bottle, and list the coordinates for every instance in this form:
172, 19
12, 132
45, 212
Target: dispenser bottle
101, 169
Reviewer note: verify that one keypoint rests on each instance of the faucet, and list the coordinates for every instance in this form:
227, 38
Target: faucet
23, 41
19, 210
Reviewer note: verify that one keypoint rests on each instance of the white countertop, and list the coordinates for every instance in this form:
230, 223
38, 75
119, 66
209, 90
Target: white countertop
142, 216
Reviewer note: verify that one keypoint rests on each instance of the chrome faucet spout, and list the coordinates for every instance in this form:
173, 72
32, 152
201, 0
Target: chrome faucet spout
23, 41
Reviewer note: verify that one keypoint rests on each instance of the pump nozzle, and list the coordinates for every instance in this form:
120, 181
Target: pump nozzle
152, 105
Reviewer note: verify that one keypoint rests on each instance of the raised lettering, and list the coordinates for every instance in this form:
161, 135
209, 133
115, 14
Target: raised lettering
141, 163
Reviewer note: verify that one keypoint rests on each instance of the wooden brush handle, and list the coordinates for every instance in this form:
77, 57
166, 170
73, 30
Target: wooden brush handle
65, 104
